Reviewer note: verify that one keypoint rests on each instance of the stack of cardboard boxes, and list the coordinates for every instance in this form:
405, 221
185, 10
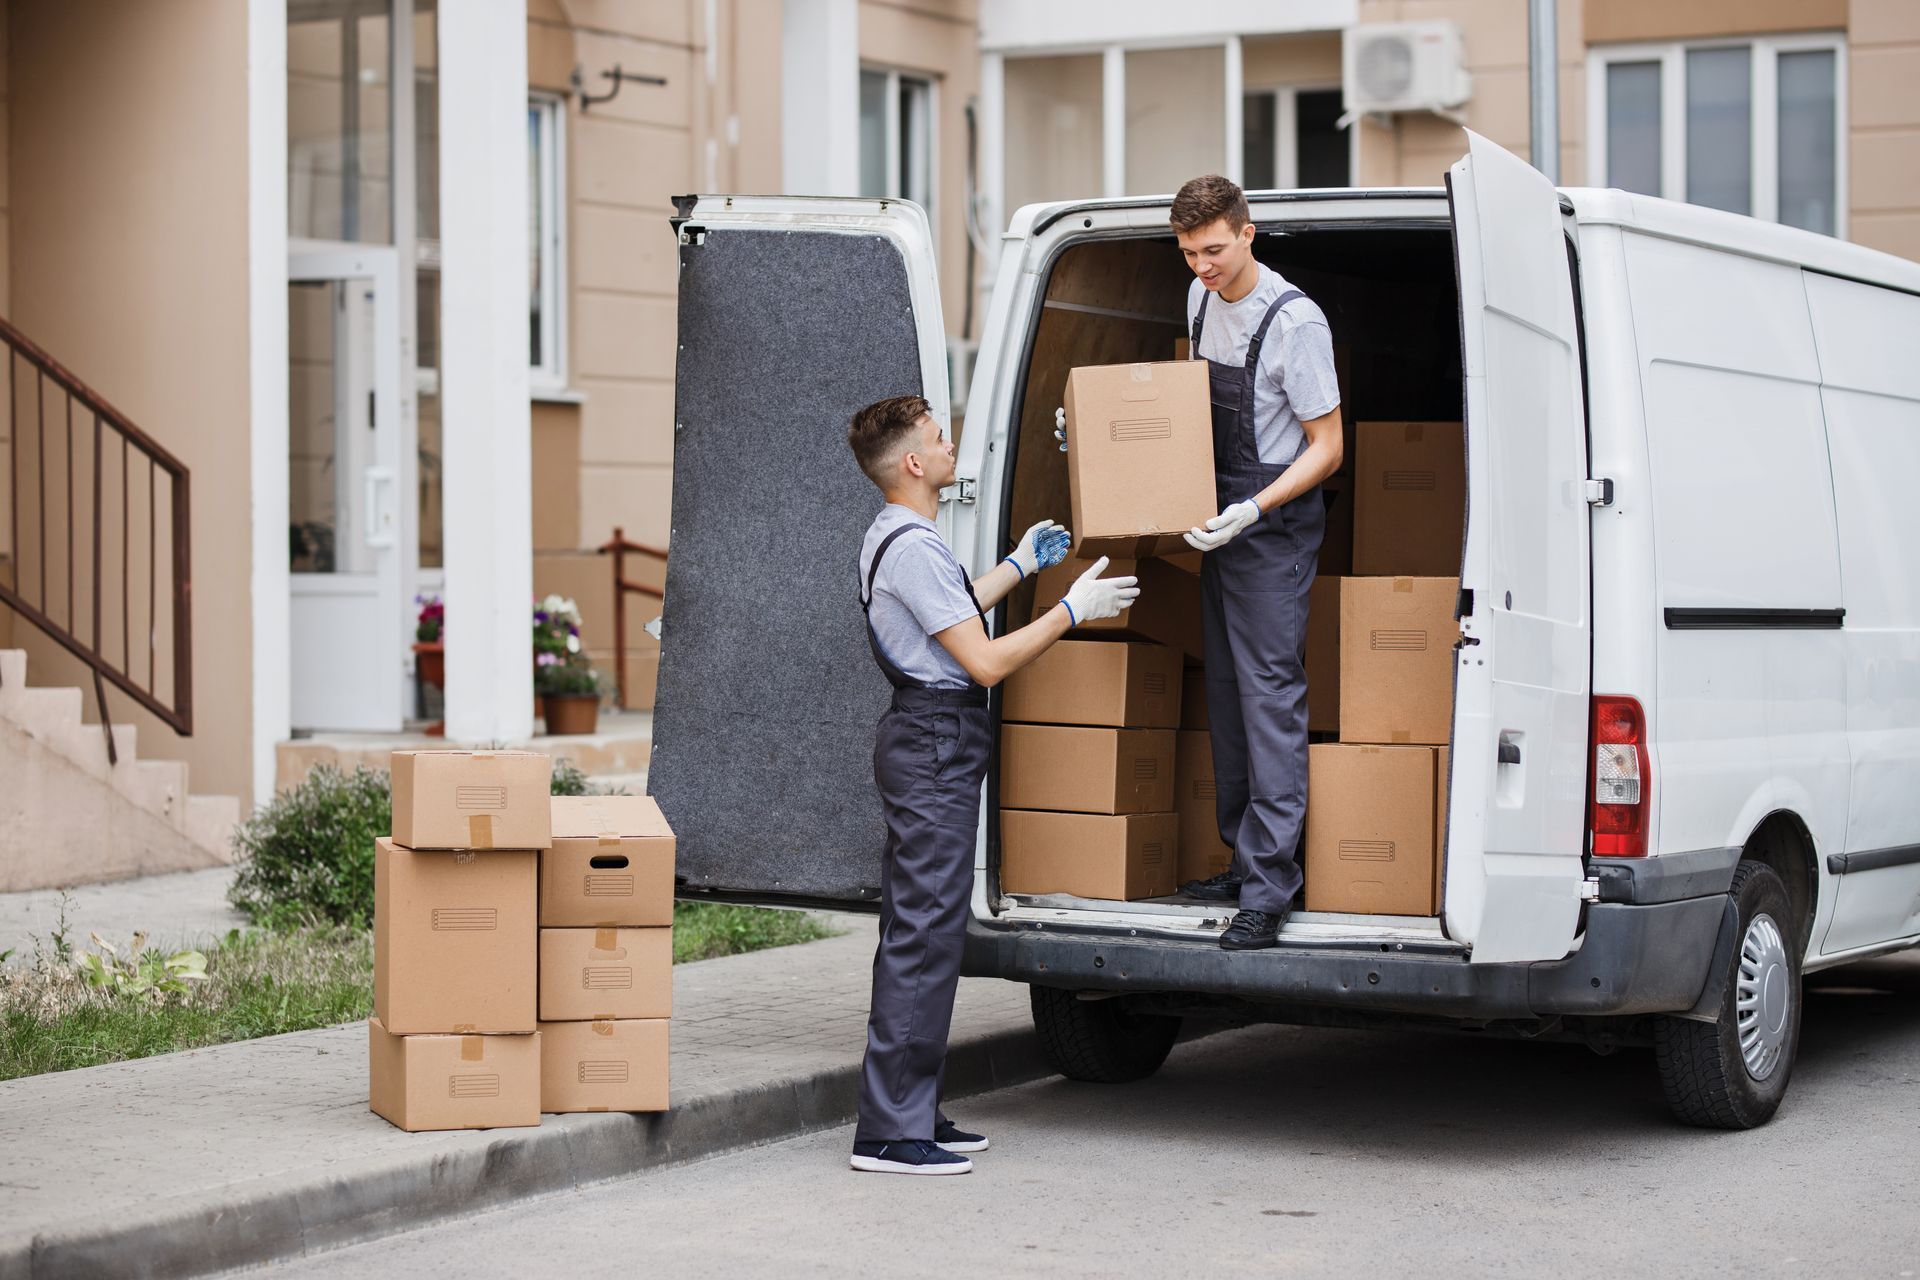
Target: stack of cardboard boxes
522, 947
454, 1041
1380, 676
606, 955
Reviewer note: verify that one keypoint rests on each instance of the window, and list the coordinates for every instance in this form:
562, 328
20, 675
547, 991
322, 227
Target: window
896, 136
1292, 138
544, 264
1750, 126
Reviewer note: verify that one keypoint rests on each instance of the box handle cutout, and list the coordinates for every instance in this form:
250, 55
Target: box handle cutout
604, 861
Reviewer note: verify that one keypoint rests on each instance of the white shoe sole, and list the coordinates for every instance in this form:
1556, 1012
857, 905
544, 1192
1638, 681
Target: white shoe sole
963, 1148
874, 1164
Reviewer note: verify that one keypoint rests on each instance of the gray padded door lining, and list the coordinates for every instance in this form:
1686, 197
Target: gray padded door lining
763, 731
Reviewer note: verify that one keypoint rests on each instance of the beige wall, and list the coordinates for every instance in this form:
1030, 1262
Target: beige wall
1883, 74
127, 260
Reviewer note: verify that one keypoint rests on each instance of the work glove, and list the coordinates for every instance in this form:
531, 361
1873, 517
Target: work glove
1060, 428
1092, 596
1225, 527
1045, 544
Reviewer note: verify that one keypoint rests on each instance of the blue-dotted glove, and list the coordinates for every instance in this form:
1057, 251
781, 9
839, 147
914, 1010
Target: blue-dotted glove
1060, 428
1045, 544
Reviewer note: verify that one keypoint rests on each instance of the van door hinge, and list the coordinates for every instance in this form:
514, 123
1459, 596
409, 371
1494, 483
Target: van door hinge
1599, 493
1590, 889
963, 489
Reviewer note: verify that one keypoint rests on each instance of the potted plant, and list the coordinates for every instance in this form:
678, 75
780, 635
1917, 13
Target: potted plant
569, 688
556, 637
429, 652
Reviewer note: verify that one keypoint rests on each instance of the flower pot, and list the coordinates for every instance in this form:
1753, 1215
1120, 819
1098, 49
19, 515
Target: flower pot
572, 712
430, 660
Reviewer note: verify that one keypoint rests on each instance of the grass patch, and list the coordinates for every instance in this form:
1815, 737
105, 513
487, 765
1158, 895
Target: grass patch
264, 983
705, 930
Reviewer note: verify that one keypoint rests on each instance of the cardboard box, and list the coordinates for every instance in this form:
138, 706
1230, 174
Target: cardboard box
1396, 659
1202, 852
611, 864
604, 1066
1140, 465
471, 799
1167, 612
605, 974
1336, 541
1370, 830
1193, 697
1120, 685
453, 1082
1089, 855
1442, 781
1323, 655
1410, 491
1187, 561
455, 941
1081, 770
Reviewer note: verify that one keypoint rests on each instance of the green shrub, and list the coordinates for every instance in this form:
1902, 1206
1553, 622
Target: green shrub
570, 780
307, 858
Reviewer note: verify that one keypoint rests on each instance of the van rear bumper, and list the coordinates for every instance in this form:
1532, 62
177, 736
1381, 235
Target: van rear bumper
1633, 959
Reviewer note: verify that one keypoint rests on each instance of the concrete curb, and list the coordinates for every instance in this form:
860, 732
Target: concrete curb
301, 1213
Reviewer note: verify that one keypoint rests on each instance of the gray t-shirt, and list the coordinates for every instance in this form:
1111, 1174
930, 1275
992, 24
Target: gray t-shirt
1296, 379
920, 590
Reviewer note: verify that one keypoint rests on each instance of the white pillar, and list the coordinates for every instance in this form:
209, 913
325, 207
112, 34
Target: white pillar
1233, 164
1113, 121
820, 97
484, 336
272, 656
991, 157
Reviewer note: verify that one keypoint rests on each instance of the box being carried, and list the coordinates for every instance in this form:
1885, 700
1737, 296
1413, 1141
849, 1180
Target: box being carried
471, 799
611, 864
1140, 456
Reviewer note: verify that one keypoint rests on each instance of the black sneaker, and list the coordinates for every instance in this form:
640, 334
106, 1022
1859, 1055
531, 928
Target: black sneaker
1252, 930
1224, 887
951, 1137
907, 1157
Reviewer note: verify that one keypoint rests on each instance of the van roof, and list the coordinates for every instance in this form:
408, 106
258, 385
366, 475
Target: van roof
1600, 206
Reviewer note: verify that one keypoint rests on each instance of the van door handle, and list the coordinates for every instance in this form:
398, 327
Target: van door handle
1509, 753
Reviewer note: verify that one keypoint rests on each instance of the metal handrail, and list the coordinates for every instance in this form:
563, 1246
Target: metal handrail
89, 639
619, 548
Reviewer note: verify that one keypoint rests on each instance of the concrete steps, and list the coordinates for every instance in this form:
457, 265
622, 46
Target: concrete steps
53, 718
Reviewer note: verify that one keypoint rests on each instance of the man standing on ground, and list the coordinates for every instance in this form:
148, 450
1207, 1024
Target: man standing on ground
1276, 436
926, 624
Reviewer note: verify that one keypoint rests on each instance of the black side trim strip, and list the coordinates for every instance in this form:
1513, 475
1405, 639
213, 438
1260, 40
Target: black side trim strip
1755, 619
1873, 859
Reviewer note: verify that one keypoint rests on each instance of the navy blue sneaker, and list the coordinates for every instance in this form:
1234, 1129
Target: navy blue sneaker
918, 1156
951, 1137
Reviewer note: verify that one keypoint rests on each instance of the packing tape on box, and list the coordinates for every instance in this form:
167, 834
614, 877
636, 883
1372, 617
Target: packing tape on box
1403, 586
473, 1048
480, 830
602, 1026
1416, 432
466, 1028
609, 837
606, 939
1402, 736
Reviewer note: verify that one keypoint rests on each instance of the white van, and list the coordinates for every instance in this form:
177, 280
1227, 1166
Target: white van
1692, 553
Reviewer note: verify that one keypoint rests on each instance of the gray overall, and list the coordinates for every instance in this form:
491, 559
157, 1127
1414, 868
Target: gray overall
929, 759
1253, 600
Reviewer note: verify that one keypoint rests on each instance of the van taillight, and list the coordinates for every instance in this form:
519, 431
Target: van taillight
1622, 783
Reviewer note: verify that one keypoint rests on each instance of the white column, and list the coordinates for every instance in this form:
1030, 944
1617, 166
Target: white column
1232, 164
484, 335
272, 656
992, 213
1113, 121
820, 97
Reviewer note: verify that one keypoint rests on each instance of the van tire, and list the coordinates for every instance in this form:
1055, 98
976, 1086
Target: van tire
1703, 1068
1100, 1041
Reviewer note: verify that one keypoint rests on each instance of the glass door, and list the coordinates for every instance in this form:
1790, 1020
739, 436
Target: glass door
345, 517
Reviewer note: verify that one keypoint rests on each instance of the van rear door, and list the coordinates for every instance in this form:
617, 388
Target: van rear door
794, 312
1517, 813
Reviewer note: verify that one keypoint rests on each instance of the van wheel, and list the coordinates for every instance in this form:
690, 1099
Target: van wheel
1731, 1073
1100, 1040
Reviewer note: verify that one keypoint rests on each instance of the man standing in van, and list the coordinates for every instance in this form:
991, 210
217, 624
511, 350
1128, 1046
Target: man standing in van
1276, 436
926, 624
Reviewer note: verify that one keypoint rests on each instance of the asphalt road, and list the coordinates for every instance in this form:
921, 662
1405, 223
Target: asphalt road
1275, 1150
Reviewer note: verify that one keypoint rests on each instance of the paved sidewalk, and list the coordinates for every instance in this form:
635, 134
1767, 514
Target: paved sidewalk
244, 1153
186, 908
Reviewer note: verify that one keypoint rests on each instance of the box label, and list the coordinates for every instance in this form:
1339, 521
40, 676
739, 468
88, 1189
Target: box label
602, 1073
474, 1085
465, 919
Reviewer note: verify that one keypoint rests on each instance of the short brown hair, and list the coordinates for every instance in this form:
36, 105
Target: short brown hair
877, 431
1203, 200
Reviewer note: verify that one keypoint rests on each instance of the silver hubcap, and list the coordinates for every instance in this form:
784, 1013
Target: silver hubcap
1762, 995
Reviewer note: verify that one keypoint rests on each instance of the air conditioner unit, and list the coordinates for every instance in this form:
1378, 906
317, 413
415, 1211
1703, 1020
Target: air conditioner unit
1405, 66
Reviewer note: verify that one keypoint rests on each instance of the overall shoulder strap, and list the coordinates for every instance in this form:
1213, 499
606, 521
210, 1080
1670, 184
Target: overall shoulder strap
1199, 319
1266, 321
879, 553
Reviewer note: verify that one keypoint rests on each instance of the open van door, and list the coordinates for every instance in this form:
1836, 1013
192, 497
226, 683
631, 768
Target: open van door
1517, 813
794, 312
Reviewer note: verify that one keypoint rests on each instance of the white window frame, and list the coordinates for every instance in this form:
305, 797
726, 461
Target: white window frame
549, 372
895, 180
1765, 53
1286, 142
